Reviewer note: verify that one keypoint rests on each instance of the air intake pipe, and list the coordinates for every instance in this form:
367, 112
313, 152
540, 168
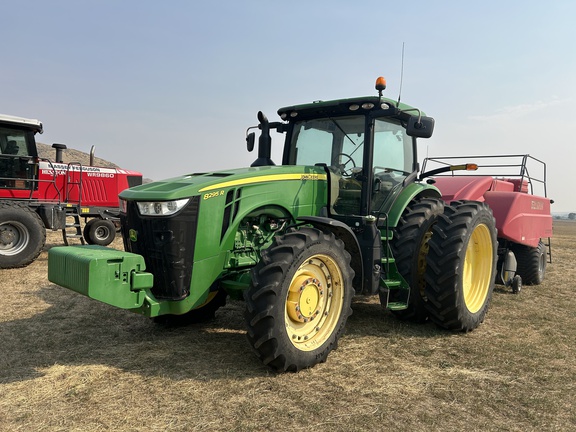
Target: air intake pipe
59, 149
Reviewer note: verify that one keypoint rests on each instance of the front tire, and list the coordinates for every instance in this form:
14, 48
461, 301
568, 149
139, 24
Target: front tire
299, 299
22, 235
461, 266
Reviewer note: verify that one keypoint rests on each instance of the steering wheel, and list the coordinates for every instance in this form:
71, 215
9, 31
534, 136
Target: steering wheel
342, 166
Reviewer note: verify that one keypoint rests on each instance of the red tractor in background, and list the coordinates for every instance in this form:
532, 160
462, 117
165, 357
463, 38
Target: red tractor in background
514, 187
37, 193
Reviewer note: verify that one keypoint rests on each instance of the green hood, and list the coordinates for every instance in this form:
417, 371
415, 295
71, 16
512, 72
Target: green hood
199, 183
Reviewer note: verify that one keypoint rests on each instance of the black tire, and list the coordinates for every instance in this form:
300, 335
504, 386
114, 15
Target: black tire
410, 247
461, 266
22, 235
531, 263
99, 232
516, 284
204, 313
299, 299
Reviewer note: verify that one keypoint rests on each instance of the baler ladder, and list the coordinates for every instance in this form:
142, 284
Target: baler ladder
72, 228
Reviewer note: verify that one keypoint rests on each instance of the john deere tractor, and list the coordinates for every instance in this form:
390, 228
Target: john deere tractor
345, 213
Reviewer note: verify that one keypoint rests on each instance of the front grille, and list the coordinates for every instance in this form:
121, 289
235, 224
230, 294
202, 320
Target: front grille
167, 245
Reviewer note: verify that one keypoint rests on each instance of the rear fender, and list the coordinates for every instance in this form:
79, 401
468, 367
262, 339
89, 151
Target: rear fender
409, 193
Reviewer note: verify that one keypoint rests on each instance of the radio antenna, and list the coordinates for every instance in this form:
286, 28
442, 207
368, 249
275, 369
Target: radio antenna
401, 76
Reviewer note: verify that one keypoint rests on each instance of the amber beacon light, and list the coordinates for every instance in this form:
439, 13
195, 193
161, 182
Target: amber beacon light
380, 85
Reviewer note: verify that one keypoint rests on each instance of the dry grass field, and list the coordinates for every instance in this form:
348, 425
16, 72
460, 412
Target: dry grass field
71, 364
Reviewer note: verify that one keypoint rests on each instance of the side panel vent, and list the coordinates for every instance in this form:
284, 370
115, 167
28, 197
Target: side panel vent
231, 208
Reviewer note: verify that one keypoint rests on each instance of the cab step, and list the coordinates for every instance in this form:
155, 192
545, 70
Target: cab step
393, 294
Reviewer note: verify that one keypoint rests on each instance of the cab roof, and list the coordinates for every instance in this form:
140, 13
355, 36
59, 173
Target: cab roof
385, 106
35, 125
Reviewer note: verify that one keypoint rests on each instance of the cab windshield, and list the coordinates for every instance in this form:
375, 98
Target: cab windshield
14, 159
339, 142
13, 142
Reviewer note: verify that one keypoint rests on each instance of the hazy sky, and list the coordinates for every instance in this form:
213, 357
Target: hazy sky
169, 87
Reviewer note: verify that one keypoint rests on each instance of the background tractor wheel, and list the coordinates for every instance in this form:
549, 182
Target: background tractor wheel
99, 231
410, 247
531, 263
461, 266
22, 235
299, 299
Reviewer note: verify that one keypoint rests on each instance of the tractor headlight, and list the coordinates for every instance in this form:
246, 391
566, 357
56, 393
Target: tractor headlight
123, 205
161, 208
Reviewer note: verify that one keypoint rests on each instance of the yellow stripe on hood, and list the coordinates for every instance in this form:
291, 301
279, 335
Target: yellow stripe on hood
263, 179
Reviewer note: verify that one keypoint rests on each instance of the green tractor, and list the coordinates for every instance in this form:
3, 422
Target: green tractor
346, 213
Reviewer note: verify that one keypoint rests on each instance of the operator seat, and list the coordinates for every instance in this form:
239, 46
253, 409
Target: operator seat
12, 148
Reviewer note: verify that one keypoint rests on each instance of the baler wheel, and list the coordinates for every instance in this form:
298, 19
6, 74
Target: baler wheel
410, 247
22, 235
299, 299
531, 263
516, 284
461, 266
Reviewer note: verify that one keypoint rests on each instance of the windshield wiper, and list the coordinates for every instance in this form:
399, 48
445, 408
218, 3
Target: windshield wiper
346, 135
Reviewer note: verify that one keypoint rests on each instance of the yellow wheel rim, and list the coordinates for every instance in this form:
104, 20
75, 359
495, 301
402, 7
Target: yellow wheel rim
314, 302
477, 268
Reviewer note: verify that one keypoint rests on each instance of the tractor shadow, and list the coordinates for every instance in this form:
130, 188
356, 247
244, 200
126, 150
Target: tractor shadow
74, 330
370, 319
77, 331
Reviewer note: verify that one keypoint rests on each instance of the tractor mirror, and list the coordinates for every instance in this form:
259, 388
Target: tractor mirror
250, 140
420, 126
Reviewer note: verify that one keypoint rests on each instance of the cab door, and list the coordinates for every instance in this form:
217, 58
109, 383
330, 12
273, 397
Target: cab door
18, 169
393, 160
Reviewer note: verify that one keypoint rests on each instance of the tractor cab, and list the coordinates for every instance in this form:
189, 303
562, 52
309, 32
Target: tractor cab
17, 150
367, 158
367, 146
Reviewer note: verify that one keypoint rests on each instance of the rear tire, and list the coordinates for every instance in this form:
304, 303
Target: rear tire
531, 263
461, 266
99, 232
22, 235
410, 247
299, 299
